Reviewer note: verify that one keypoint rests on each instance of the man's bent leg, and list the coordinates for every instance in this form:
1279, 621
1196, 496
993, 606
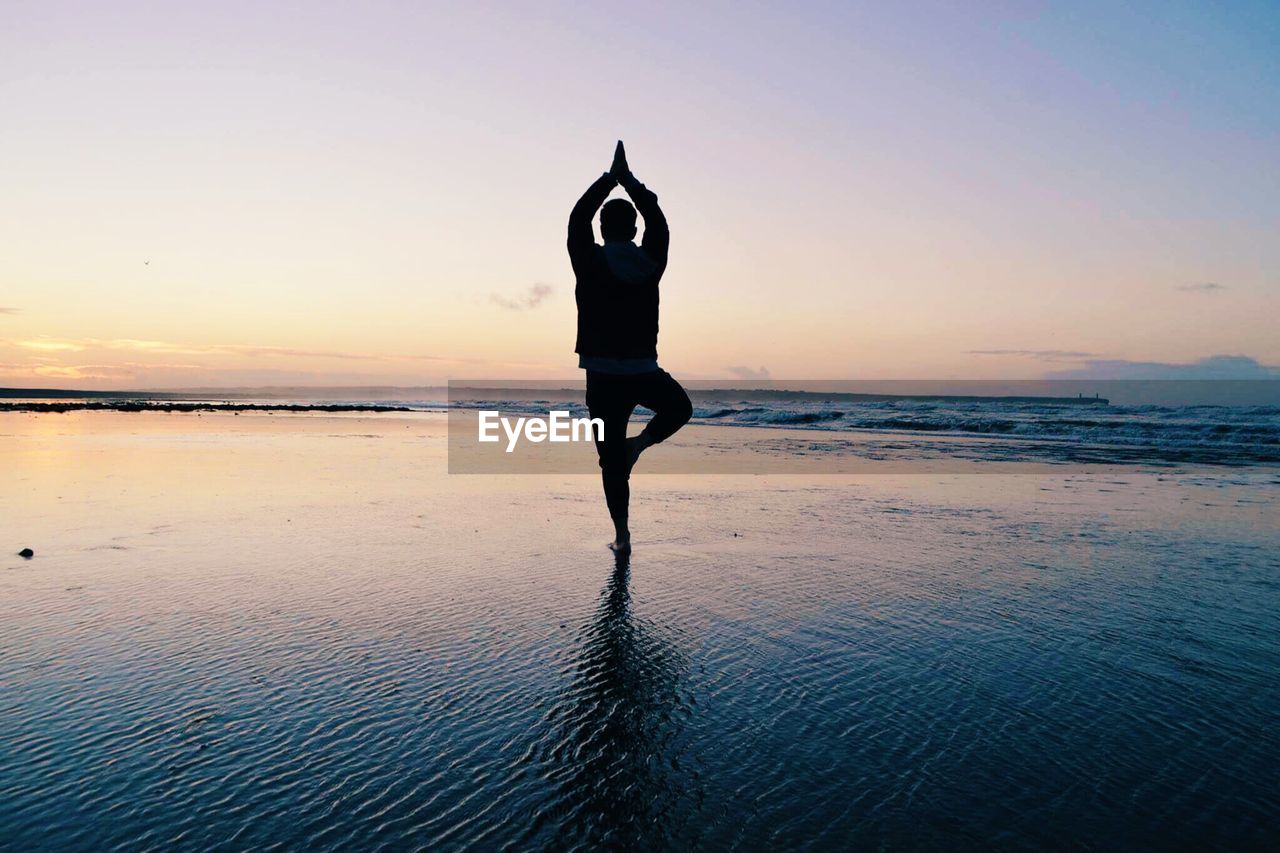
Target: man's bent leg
669, 402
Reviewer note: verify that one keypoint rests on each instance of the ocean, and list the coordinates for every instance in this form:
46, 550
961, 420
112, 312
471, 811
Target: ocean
1039, 427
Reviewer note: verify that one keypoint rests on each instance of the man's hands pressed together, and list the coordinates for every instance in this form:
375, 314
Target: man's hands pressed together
619, 170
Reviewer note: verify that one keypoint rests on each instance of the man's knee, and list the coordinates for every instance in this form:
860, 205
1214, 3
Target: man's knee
679, 409
684, 409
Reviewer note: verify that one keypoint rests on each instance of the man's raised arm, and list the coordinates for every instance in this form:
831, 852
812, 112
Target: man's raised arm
657, 238
581, 237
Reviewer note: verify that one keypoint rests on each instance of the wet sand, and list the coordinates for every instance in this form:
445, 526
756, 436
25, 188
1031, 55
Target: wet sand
239, 629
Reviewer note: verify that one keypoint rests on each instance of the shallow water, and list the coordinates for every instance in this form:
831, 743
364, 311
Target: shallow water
243, 633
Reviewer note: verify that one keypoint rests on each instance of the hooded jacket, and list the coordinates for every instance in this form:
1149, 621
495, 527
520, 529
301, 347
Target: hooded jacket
617, 283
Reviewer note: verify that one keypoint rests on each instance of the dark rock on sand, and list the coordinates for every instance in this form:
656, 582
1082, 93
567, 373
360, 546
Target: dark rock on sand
26, 552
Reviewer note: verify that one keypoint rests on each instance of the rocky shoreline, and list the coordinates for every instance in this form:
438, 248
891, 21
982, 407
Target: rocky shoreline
164, 406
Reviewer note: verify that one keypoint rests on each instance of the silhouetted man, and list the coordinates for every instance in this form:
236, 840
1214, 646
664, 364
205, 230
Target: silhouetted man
617, 295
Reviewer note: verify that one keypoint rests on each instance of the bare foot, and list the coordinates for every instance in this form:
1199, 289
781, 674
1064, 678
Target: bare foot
620, 547
636, 445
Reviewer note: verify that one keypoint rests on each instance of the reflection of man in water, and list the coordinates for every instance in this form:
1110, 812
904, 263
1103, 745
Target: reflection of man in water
616, 749
617, 294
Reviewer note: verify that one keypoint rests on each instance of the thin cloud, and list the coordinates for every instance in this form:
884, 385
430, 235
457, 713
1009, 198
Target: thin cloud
1201, 287
1211, 367
251, 350
51, 345
87, 362
748, 373
67, 371
4, 310
1042, 354
536, 296
69, 345
86, 371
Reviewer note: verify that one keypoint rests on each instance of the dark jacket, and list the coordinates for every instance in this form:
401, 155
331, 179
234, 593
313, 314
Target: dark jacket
617, 283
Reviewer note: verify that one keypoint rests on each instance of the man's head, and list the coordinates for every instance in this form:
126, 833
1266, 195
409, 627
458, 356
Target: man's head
618, 220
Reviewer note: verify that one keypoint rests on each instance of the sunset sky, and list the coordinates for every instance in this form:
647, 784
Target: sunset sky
240, 193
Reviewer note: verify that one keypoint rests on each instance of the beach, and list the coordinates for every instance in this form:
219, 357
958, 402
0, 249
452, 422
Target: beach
249, 628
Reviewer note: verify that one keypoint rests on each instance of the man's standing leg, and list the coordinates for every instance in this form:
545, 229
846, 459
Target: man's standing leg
609, 398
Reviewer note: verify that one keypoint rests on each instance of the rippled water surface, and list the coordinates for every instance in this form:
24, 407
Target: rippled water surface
248, 632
